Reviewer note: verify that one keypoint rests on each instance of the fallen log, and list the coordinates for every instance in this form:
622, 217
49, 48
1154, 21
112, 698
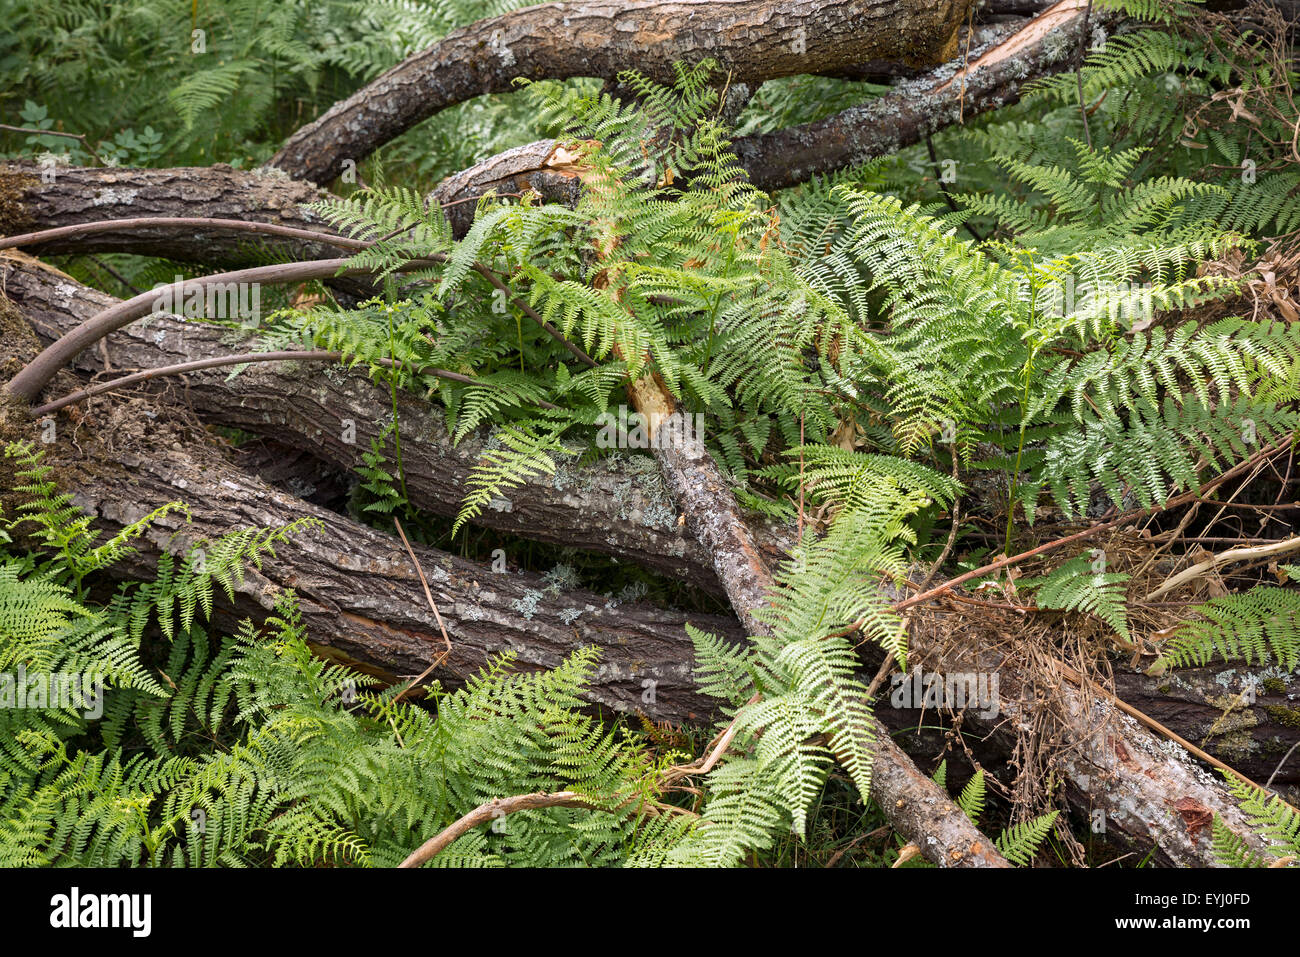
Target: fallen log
80, 195
1245, 716
618, 506
990, 76
360, 596
1126, 781
753, 40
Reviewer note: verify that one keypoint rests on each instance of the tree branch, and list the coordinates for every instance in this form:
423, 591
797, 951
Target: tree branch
754, 40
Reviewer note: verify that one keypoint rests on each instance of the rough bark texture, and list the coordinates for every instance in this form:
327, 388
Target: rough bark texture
997, 70
713, 518
87, 195
1109, 763
1207, 707
618, 506
753, 39
533, 166
360, 596
917, 806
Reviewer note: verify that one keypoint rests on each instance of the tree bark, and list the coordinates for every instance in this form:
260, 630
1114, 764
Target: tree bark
994, 75
752, 39
1211, 707
1143, 789
618, 506
89, 195
360, 596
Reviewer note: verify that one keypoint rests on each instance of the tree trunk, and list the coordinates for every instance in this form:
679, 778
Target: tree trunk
993, 75
1128, 782
617, 507
751, 39
360, 596
91, 195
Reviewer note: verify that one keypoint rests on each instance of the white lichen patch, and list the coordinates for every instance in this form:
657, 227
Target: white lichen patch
114, 197
527, 605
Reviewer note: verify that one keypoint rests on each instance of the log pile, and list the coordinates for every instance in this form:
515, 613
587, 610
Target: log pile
673, 515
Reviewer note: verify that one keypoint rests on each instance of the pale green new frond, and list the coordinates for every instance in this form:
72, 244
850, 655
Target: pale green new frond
524, 452
1078, 585
1259, 626
1020, 843
971, 799
721, 670
1273, 819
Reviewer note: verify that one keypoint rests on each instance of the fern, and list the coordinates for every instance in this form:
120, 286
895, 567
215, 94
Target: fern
1273, 820
1019, 844
1259, 626
1077, 585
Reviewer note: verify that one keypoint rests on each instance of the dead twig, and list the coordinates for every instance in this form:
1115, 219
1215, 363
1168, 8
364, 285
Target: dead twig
496, 808
436, 614
1232, 556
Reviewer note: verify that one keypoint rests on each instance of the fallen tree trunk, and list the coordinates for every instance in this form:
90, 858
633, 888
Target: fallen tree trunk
360, 596
1128, 782
347, 579
618, 506
81, 195
993, 75
1245, 716
753, 40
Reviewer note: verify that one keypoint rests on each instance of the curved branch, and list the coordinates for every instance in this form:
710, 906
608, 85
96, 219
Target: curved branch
243, 358
131, 224
29, 382
614, 507
752, 39
999, 67
1233, 555
485, 813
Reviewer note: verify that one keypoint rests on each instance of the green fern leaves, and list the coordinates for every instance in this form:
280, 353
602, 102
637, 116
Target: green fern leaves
1259, 626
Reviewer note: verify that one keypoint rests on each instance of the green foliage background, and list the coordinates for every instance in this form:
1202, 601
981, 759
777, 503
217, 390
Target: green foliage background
941, 327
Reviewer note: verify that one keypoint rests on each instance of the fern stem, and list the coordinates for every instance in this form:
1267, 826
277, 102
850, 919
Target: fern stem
717, 304
397, 429
1013, 486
